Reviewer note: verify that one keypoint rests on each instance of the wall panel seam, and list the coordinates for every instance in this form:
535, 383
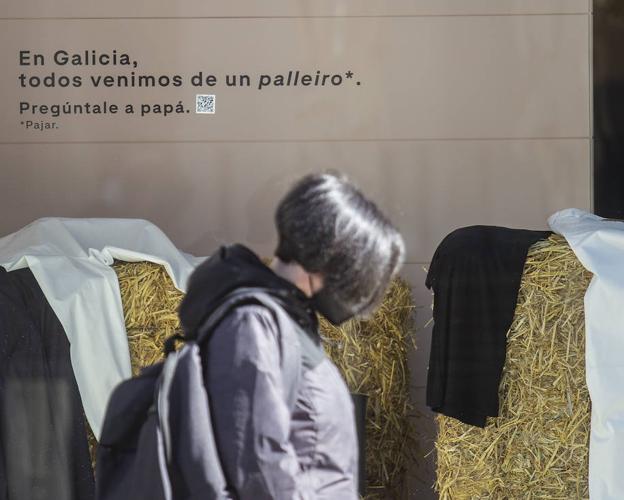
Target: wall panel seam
282, 141
372, 16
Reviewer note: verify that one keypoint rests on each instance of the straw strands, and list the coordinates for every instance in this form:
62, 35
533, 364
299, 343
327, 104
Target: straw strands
372, 356
538, 446
150, 304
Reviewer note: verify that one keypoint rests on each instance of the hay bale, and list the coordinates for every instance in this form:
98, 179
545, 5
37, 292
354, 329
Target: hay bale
150, 304
538, 446
372, 356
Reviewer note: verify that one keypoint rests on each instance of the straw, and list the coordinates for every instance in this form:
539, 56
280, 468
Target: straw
372, 356
538, 445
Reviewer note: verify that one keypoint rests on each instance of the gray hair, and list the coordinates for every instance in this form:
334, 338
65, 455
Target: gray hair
325, 224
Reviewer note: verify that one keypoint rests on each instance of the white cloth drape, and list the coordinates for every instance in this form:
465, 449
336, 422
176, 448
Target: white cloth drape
599, 245
70, 259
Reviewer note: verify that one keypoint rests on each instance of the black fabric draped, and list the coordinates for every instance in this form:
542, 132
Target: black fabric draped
475, 276
43, 446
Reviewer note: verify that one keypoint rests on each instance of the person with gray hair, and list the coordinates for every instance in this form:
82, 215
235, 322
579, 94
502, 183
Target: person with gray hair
282, 416
329, 228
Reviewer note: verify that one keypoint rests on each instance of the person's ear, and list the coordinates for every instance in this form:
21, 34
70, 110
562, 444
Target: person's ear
316, 282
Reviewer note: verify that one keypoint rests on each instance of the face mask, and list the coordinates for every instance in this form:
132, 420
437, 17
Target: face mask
325, 303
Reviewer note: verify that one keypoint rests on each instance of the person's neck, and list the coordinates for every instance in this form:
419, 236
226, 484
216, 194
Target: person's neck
293, 272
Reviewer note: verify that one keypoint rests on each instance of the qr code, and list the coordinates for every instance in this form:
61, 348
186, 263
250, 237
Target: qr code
205, 104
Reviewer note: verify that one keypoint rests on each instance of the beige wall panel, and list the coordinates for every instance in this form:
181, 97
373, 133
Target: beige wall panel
215, 8
415, 275
203, 195
422, 475
421, 78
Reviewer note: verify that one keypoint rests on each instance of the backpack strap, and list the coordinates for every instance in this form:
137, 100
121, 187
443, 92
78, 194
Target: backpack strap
240, 297
170, 342
181, 395
311, 349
